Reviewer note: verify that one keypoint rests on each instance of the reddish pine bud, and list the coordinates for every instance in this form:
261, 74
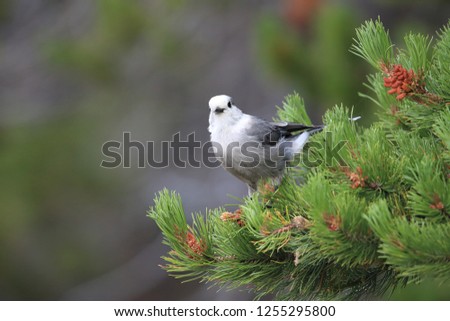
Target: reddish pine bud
357, 178
333, 222
437, 203
233, 217
197, 246
401, 81
401, 96
392, 91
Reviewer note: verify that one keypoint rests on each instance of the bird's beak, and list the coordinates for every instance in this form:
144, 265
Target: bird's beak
219, 110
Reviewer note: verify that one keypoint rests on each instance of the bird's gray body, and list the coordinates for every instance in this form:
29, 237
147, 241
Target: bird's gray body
251, 148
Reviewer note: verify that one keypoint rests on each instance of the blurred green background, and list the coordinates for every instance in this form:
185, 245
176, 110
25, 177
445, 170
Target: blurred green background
76, 73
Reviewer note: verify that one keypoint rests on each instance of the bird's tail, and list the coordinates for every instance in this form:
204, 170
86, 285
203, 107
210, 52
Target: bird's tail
316, 129
299, 141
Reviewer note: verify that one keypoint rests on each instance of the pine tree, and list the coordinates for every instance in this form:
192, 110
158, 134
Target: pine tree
349, 227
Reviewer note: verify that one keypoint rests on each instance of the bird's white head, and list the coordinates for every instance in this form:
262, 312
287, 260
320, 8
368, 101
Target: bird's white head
221, 104
223, 111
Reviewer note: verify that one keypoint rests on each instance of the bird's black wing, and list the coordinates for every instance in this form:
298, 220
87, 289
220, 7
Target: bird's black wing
269, 133
288, 129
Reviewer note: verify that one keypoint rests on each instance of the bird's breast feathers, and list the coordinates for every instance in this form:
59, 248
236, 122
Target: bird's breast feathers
228, 130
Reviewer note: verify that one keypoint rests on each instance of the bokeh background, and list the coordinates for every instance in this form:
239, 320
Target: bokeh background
77, 73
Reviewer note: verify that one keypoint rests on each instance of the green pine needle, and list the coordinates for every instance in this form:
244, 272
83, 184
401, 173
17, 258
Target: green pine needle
373, 44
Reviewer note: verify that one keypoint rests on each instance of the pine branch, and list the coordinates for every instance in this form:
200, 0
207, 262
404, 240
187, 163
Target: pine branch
415, 249
349, 225
373, 44
293, 110
440, 65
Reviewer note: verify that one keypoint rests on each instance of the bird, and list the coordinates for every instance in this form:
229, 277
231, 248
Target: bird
253, 149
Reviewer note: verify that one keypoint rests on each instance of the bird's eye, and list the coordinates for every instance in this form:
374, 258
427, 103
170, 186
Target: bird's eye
229, 104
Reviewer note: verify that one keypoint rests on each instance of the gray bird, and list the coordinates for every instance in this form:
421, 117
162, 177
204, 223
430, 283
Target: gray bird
251, 148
